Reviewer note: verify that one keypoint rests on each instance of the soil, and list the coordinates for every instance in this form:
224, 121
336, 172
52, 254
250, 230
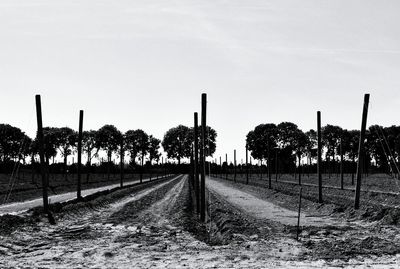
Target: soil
24, 187
155, 226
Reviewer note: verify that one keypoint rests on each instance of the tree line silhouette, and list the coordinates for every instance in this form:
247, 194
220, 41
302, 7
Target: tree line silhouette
265, 142
291, 145
17, 147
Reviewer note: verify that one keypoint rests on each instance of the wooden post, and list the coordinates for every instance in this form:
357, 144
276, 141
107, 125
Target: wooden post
220, 164
191, 177
80, 134
247, 165
203, 158
341, 164
319, 161
361, 151
122, 153
43, 167
269, 167
196, 161
298, 216
227, 166
234, 163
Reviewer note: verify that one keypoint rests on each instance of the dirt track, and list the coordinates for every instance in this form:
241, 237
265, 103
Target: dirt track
155, 228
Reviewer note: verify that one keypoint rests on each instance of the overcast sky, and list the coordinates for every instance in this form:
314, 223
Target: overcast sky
144, 64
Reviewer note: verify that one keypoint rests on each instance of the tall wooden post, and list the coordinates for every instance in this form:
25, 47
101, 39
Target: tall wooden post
269, 167
234, 163
319, 158
361, 151
247, 165
121, 164
191, 177
41, 154
203, 158
80, 134
269, 170
220, 165
341, 164
227, 166
196, 161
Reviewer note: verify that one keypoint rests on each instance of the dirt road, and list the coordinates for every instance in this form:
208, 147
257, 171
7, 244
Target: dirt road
154, 228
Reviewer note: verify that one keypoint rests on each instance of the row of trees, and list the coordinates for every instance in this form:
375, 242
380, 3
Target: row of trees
292, 144
15, 145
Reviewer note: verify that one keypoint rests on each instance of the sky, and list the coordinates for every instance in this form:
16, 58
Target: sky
144, 64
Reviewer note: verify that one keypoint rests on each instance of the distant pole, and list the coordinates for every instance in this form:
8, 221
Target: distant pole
234, 163
341, 164
122, 153
80, 134
220, 164
196, 161
319, 152
191, 178
247, 165
203, 158
269, 168
41, 154
361, 151
227, 166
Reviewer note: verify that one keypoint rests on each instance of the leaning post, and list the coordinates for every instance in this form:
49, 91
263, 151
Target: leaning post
319, 158
234, 163
203, 158
80, 134
122, 153
361, 151
227, 166
247, 165
196, 161
43, 166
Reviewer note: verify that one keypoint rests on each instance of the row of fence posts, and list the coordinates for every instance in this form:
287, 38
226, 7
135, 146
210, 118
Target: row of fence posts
198, 160
360, 160
44, 166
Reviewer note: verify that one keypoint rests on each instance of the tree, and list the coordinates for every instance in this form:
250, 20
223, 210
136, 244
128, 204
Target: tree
25, 148
12, 141
51, 143
137, 142
261, 140
108, 139
375, 146
90, 145
311, 144
288, 135
154, 146
331, 137
66, 140
210, 144
177, 142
